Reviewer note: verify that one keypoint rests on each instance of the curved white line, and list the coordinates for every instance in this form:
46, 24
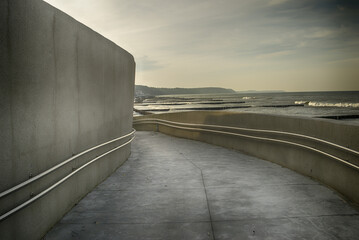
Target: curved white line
21, 206
23, 184
261, 138
257, 130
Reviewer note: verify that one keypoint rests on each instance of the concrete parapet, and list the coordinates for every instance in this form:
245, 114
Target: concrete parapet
325, 150
64, 89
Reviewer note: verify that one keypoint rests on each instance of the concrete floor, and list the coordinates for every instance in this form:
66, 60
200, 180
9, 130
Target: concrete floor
172, 188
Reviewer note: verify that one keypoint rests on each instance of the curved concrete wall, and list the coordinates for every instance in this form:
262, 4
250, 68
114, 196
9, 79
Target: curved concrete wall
343, 178
64, 88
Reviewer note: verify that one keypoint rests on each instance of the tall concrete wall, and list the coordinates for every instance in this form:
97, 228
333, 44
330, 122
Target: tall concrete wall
337, 175
63, 89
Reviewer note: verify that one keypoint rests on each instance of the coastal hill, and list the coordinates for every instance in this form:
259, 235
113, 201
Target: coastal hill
141, 90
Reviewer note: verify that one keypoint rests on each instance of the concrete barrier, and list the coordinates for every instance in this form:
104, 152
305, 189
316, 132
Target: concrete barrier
64, 89
326, 150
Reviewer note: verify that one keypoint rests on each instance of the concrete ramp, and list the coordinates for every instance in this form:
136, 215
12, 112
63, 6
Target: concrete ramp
172, 188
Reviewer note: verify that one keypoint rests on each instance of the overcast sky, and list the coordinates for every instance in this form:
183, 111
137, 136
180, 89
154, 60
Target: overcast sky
293, 45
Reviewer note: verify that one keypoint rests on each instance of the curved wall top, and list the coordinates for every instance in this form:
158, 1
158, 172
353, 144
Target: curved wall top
326, 150
331, 130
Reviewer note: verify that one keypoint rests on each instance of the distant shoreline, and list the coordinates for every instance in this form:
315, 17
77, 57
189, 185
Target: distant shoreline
141, 90
264, 91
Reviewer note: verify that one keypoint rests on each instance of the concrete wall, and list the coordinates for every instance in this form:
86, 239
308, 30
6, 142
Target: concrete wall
63, 89
337, 175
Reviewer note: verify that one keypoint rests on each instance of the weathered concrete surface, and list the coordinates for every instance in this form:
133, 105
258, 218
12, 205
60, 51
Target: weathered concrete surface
63, 89
172, 188
334, 173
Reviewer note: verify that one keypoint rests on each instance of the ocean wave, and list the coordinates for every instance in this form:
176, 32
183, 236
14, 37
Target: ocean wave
301, 102
248, 97
327, 104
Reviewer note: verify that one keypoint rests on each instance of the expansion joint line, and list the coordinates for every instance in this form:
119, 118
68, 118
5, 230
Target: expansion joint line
205, 192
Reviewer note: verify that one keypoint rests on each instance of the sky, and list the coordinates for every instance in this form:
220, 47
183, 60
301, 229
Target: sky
291, 45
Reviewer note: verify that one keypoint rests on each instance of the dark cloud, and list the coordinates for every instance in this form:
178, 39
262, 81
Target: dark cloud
337, 12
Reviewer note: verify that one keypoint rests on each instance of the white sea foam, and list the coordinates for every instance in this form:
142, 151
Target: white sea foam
327, 104
301, 102
248, 97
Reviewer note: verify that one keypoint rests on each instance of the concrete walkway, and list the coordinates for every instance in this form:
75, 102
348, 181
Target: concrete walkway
172, 188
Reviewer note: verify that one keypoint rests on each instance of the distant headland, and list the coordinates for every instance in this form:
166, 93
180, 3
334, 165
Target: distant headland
141, 90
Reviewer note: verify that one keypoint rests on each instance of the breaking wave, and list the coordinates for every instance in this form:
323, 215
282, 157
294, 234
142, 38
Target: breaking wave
248, 97
326, 104
301, 102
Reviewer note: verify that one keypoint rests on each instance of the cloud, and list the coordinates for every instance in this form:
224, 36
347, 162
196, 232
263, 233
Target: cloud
323, 33
276, 2
146, 64
185, 38
275, 54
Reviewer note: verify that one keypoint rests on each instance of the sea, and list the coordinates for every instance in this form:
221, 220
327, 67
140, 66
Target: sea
340, 106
